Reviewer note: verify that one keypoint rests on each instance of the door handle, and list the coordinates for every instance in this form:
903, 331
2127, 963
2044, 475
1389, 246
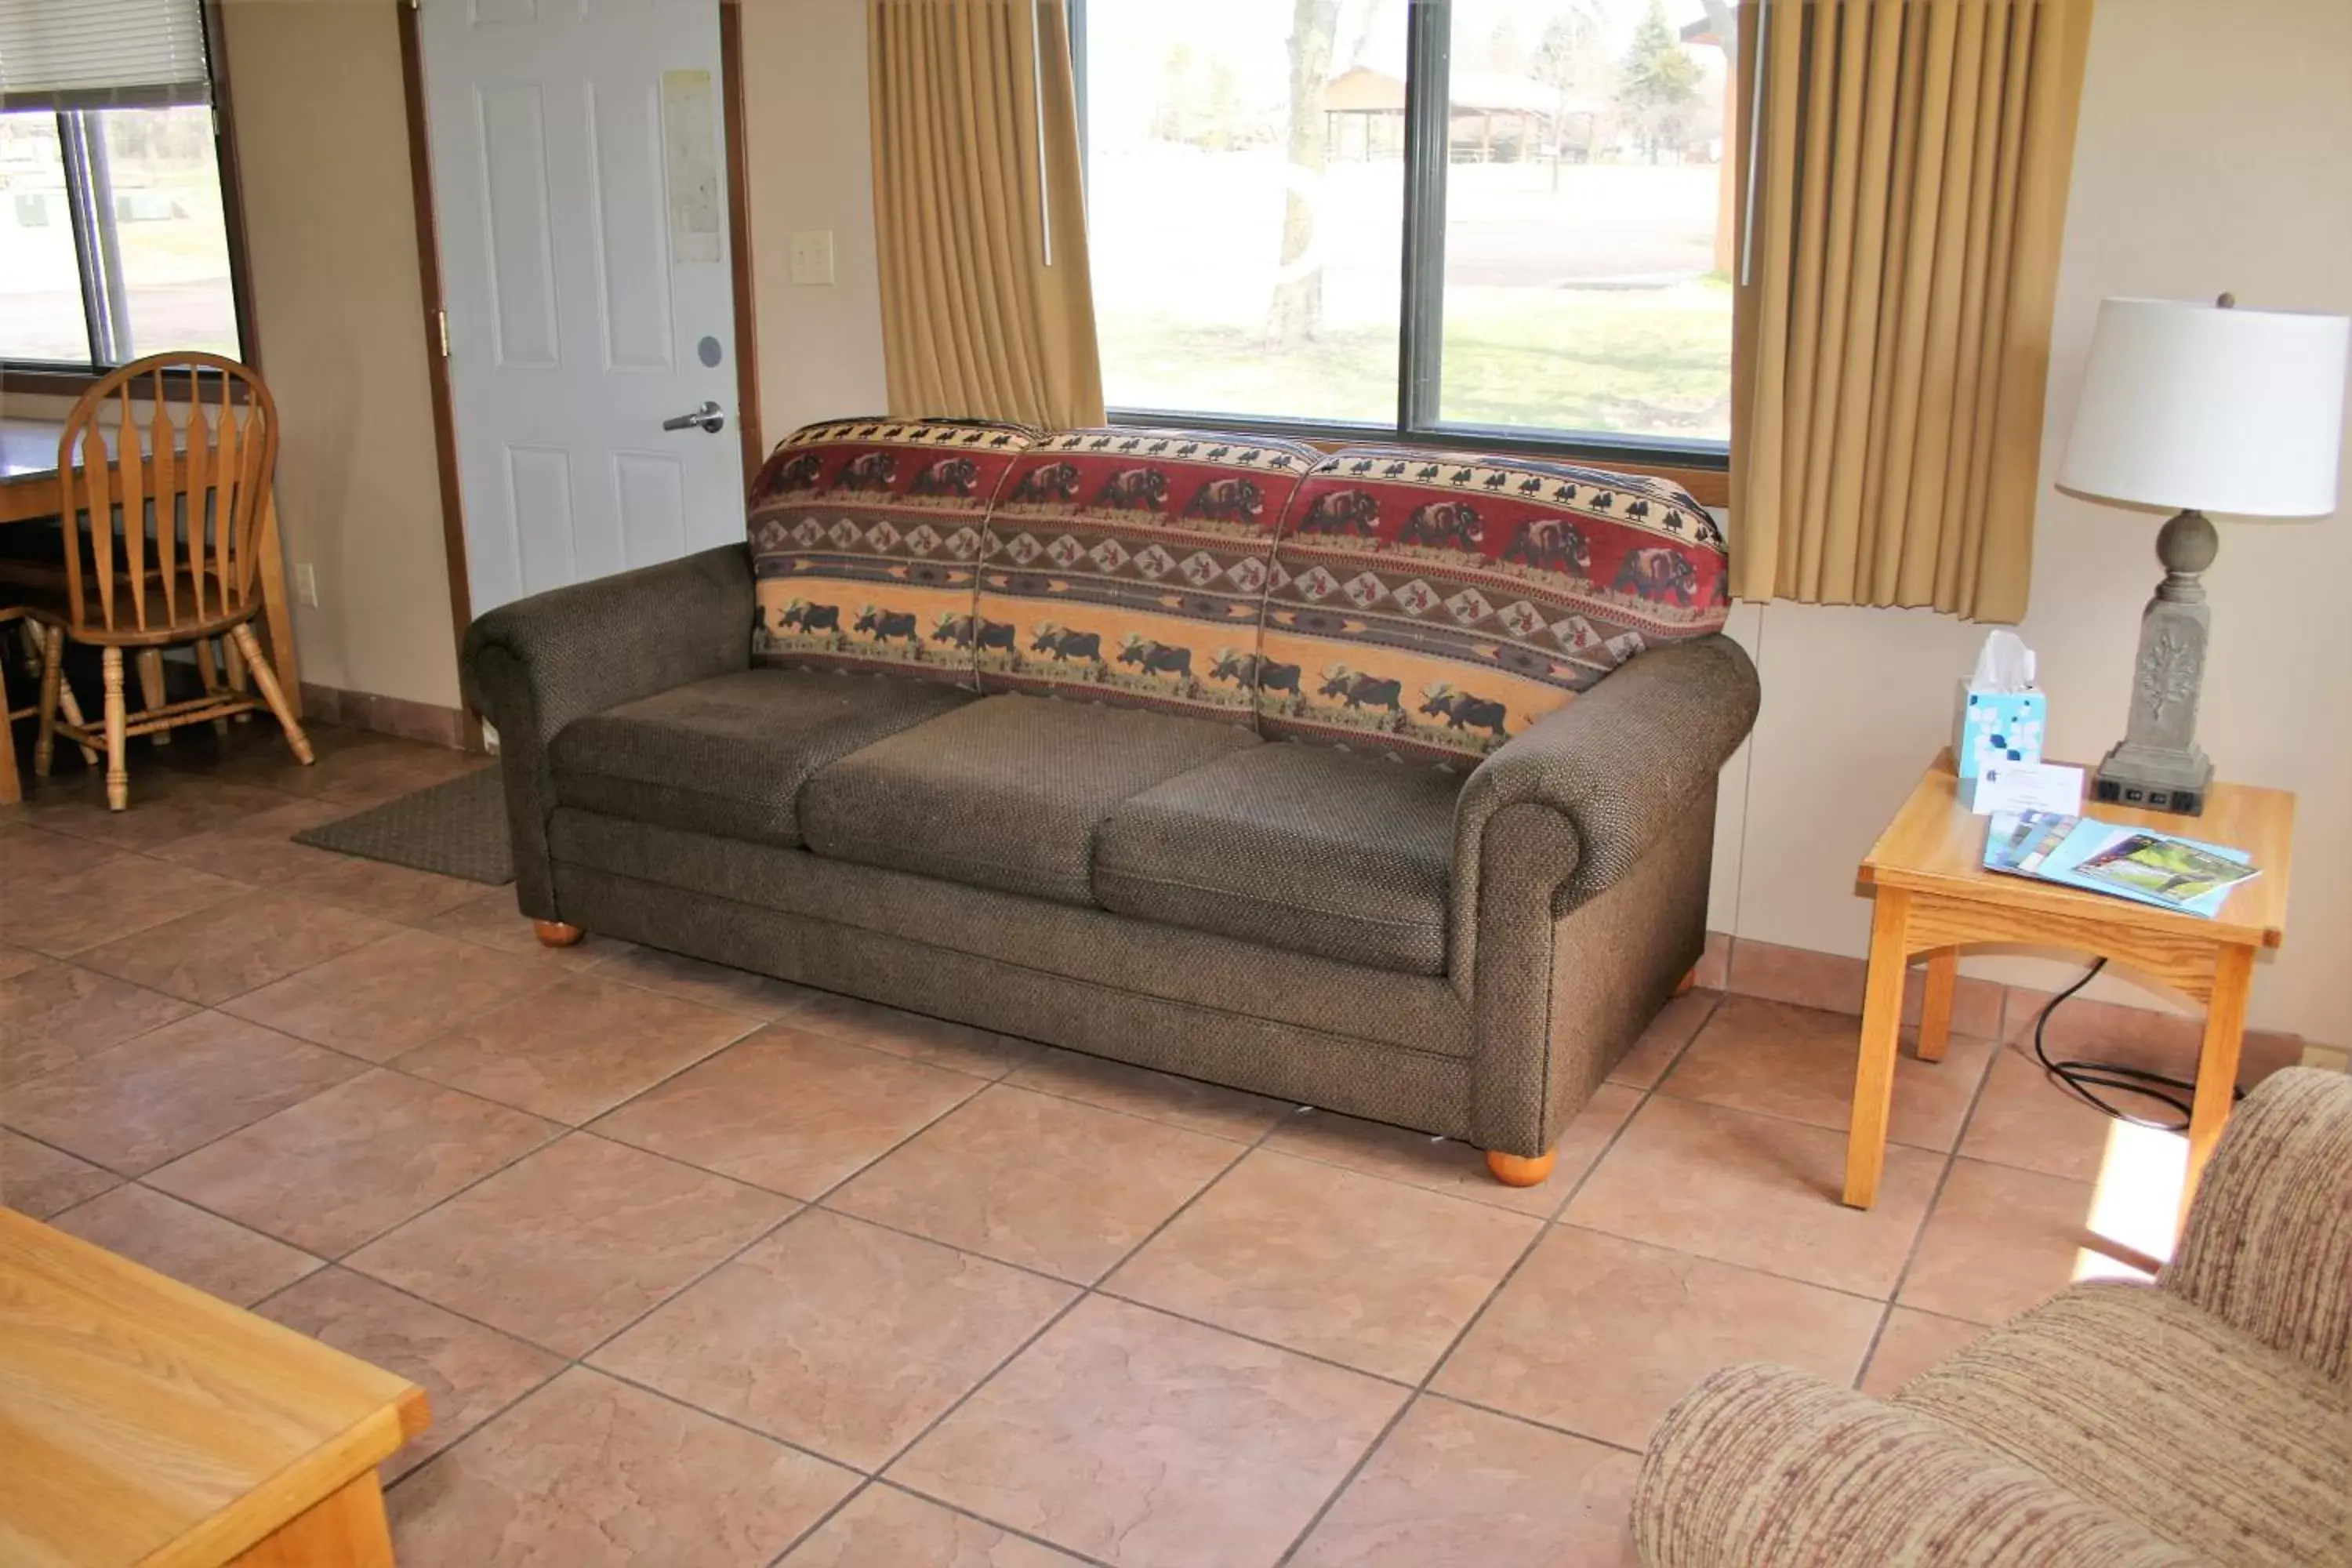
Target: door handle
709, 416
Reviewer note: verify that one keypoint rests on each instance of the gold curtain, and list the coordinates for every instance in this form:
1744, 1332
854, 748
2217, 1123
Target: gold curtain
987, 304
1892, 327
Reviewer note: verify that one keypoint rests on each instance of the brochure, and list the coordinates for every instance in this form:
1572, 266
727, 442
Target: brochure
2136, 863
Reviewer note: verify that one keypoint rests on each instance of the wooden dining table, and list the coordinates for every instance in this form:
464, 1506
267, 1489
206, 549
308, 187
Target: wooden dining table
28, 493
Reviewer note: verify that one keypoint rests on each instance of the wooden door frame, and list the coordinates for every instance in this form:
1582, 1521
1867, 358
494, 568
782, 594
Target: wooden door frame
733, 116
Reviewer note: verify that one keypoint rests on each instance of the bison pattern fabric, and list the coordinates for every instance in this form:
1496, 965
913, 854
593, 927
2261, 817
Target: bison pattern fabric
1130, 567
865, 538
1431, 605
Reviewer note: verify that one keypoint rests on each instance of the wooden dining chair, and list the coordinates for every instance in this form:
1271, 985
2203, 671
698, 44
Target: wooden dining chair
160, 498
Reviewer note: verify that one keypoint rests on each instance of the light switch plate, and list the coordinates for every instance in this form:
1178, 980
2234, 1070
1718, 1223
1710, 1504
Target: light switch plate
811, 253
306, 584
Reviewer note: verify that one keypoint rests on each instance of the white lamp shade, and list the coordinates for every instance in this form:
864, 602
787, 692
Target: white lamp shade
2187, 406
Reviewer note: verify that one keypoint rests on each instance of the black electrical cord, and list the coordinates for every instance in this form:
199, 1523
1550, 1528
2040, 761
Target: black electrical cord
2080, 1078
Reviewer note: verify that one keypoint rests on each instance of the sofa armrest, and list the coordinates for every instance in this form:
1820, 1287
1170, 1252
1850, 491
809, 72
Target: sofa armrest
534, 666
1761, 1466
1623, 762
2268, 1247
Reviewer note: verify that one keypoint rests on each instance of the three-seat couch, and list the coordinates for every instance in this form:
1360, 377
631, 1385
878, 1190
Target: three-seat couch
1382, 780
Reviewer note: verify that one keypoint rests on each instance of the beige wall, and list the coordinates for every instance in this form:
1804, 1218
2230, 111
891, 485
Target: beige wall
2212, 155
331, 249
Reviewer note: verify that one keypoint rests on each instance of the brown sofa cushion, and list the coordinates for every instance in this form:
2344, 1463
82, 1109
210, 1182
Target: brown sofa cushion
1303, 847
864, 536
728, 755
1007, 793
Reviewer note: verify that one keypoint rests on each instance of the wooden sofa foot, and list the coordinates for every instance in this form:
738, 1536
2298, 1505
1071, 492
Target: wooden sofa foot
1517, 1170
1690, 978
555, 933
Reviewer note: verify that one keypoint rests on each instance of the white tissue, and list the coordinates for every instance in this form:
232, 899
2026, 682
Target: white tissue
2005, 664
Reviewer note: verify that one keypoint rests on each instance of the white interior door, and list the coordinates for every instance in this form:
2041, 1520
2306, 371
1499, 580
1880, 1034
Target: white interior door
579, 180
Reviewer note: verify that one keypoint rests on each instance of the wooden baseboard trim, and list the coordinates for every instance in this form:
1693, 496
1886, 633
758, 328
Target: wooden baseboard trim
426, 721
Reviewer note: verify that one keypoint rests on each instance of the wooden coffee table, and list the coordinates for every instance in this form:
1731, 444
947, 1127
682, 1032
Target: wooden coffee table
143, 1422
1932, 895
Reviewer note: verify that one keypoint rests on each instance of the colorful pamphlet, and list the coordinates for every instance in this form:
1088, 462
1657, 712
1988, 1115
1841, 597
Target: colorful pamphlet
2137, 863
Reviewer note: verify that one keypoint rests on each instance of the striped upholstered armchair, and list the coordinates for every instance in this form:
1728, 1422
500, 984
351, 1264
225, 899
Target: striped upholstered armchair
2205, 1420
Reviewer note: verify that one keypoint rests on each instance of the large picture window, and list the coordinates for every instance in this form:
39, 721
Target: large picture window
1501, 218
114, 234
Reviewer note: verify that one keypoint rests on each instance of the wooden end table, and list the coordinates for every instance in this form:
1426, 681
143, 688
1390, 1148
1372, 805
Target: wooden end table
1932, 895
144, 1422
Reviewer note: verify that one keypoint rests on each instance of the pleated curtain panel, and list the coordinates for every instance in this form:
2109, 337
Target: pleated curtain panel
1898, 268
979, 207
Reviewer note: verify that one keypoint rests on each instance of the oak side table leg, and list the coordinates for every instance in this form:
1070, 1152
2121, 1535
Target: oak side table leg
346, 1529
1936, 1002
2217, 1061
1881, 1029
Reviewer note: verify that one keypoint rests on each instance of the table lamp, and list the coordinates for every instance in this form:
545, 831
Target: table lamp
2199, 407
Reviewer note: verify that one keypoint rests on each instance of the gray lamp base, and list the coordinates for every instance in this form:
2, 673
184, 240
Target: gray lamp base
2158, 765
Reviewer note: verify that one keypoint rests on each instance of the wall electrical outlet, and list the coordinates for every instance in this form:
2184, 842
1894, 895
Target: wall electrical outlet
306, 584
812, 256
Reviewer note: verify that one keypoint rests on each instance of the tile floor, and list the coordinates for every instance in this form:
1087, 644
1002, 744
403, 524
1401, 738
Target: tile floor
700, 1268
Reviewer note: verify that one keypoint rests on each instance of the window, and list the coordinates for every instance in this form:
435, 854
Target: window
1505, 219
114, 229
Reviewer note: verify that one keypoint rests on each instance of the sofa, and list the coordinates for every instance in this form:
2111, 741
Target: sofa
1380, 781
2206, 1419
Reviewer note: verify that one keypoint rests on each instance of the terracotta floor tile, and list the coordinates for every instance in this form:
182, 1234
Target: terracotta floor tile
30, 857
1155, 1096
391, 995
17, 961
588, 1471
1799, 1062
792, 1111
1044, 1182
886, 1528
172, 1090
760, 996
377, 768
837, 1336
219, 1259
259, 849
39, 1181
106, 897
492, 919
1756, 1190
1446, 1166
1802, 976
1909, 1344
1452, 1485
469, 1373
389, 892
570, 1245
53, 1013
2026, 1121
1149, 1442
1662, 1041
2001, 1240
1601, 1335
926, 1040
252, 755
575, 1049
1322, 1259
217, 954
164, 806
348, 1164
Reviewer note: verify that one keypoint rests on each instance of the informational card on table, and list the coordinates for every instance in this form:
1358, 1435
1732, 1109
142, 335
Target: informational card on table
2028, 786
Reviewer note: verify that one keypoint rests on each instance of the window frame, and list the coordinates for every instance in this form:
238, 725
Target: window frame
1702, 466
70, 378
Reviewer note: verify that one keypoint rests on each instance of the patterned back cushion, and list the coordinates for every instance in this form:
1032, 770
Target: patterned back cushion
865, 534
1129, 567
1434, 605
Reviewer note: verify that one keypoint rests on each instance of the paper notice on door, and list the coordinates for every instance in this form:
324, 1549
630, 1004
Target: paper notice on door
690, 154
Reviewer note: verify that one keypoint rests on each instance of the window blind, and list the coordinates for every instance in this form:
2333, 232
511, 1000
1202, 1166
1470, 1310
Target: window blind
101, 54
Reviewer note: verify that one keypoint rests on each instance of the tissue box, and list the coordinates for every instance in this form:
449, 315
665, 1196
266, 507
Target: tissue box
1997, 726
